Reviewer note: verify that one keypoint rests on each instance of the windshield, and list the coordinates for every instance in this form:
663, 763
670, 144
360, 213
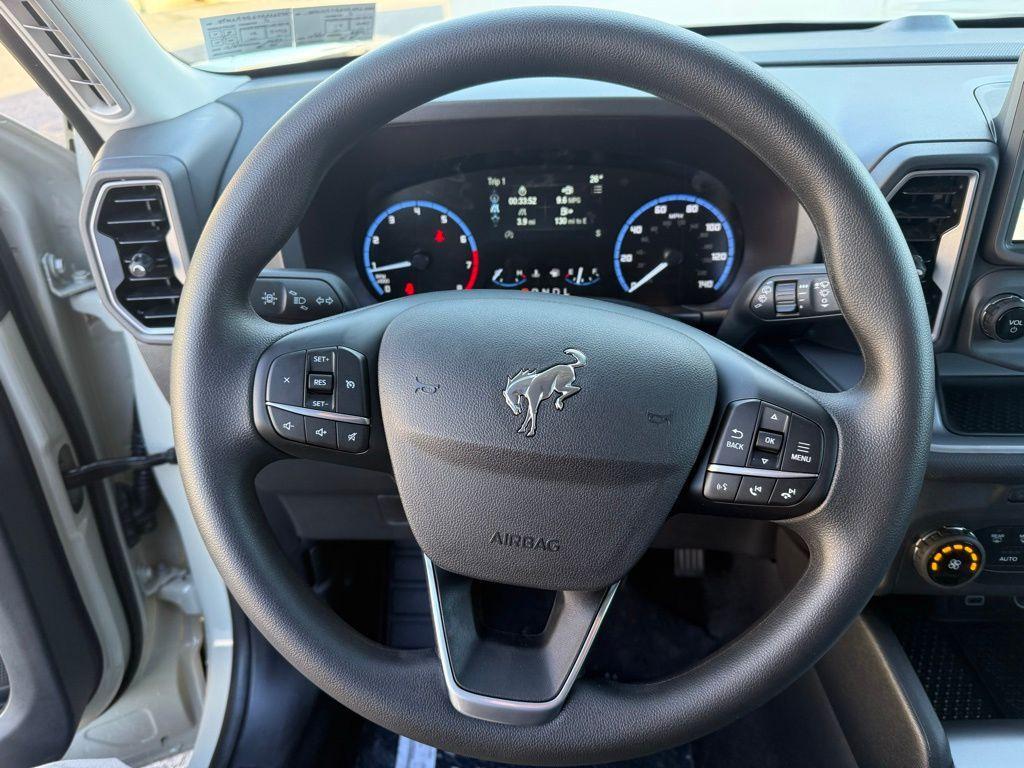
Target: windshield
240, 35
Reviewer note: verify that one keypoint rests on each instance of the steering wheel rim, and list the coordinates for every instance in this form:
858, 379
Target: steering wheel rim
883, 424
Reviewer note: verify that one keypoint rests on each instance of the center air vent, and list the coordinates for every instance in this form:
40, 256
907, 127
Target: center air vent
932, 209
140, 268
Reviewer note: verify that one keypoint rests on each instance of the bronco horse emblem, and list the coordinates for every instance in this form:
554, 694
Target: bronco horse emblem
536, 387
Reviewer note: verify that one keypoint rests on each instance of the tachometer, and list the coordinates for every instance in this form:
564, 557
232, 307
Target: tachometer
417, 246
676, 249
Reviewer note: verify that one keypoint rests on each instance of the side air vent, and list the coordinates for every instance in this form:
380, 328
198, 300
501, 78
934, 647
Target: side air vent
933, 208
55, 46
137, 246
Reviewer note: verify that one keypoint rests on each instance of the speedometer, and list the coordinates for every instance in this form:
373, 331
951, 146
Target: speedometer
676, 249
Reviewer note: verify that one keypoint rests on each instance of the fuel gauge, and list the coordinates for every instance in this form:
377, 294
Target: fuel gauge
582, 277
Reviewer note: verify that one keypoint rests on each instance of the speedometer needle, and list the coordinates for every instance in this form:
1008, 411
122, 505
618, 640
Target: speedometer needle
649, 276
392, 265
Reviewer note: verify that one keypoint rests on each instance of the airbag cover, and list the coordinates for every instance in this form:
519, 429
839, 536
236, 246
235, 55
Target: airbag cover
575, 504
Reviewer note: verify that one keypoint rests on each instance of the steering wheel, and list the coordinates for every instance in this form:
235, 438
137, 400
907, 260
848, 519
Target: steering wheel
541, 441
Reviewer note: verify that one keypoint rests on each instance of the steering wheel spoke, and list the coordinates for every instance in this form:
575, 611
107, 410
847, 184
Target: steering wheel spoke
511, 675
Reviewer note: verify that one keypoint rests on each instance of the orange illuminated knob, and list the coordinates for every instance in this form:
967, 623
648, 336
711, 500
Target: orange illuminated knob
949, 557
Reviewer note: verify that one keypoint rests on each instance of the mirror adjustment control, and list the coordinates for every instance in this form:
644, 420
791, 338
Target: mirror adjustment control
736, 434
286, 381
287, 424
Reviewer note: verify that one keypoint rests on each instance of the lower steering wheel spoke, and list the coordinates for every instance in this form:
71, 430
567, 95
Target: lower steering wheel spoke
511, 656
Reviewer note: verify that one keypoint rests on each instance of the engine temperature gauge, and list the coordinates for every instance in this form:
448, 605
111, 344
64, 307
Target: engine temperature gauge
582, 277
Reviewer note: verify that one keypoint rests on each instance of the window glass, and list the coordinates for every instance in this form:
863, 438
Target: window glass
24, 102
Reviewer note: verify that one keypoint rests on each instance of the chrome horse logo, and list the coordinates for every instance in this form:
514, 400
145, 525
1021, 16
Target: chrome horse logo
537, 386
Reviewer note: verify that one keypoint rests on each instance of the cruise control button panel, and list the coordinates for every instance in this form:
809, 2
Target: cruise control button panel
764, 455
318, 397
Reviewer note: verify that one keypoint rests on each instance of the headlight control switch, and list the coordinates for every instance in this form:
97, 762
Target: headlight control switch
949, 557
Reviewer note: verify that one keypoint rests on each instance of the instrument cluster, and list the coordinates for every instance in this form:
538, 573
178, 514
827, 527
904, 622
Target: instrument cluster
653, 237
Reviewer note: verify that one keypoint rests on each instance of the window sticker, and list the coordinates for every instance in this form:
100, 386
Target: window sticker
334, 23
239, 33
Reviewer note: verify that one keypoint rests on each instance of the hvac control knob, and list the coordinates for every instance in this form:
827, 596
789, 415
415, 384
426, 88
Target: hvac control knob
949, 557
1002, 318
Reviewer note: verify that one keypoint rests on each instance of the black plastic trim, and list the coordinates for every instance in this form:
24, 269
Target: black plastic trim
880, 702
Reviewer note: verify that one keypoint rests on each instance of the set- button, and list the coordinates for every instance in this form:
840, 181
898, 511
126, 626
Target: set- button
318, 397
763, 455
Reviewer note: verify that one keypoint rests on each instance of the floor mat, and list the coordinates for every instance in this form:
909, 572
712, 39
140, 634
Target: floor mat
970, 670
